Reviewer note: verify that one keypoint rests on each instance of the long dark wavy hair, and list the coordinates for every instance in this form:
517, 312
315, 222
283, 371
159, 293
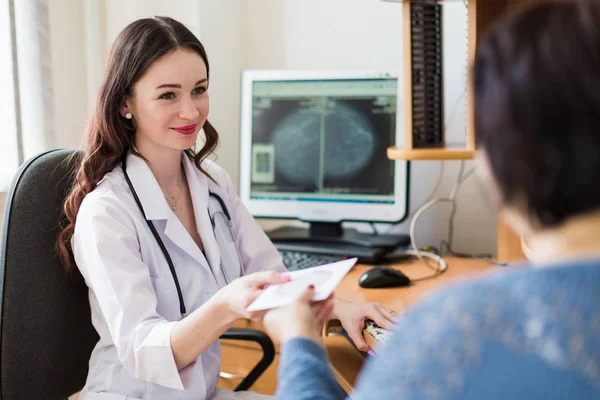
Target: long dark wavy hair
109, 136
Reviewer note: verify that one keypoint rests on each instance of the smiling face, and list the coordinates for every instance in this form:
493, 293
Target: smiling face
170, 103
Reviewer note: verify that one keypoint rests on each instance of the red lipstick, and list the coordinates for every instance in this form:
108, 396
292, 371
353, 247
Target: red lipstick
186, 130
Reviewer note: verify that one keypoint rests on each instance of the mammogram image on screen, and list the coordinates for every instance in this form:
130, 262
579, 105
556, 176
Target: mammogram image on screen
325, 144
340, 143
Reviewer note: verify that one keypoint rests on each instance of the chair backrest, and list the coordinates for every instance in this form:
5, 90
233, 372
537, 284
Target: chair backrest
46, 334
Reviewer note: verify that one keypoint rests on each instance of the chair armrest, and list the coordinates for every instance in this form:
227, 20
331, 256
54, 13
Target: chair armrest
265, 343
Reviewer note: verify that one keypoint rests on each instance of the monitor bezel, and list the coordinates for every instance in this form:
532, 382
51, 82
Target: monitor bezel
316, 211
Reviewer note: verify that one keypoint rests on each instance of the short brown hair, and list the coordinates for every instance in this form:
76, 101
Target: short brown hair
537, 108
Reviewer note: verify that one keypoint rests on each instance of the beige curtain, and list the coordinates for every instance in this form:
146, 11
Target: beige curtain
33, 78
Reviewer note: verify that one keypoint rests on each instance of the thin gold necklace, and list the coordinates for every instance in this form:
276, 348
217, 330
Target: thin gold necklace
174, 203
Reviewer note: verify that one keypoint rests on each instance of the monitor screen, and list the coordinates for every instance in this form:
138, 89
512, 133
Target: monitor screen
313, 145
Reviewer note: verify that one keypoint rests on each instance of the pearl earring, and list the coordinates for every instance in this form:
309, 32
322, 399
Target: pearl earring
129, 115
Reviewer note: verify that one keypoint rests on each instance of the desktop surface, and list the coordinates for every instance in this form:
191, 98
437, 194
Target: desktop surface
345, 360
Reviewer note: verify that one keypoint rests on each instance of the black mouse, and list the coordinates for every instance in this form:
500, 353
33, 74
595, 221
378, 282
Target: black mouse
383, 277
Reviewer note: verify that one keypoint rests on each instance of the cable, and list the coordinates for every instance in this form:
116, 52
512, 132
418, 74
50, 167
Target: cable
428, 205
435, 189
441, 263
440, 177
446, 246
453, 112
413, 224
442, 266
438, 183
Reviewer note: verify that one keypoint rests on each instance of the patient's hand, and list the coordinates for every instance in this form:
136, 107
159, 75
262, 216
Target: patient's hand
302, 318
353, 316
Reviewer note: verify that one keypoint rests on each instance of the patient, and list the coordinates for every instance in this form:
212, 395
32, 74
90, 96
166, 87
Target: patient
530, 332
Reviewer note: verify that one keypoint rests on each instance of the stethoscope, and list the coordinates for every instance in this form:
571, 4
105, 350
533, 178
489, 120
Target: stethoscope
163, 248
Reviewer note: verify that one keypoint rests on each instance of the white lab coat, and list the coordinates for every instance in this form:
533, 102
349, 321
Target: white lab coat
132, 294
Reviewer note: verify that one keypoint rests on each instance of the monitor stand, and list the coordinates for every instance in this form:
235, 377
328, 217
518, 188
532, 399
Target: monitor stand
331, 238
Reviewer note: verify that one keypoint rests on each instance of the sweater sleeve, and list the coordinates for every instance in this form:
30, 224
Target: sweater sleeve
304, 373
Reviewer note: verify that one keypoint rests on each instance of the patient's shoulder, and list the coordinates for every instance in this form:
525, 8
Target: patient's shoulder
516, 323
513, 297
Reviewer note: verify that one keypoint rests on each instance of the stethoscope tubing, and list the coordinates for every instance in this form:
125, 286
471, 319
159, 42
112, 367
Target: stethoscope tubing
162, 246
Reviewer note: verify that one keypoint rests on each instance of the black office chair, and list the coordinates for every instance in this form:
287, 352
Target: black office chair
46, 334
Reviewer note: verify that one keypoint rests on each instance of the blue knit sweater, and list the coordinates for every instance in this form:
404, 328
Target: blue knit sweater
524, 333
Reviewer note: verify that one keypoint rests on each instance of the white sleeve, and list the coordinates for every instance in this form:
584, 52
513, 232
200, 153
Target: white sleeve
106, 250
257, 250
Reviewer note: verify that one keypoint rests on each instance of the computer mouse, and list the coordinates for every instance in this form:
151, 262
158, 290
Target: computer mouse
383, 277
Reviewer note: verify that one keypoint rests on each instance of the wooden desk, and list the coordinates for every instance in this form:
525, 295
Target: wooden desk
345, 361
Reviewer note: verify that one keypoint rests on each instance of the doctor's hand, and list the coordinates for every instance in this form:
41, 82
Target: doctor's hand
353, 317
240, 293
302, 318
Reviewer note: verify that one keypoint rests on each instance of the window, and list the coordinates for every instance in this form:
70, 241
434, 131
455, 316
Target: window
11, 154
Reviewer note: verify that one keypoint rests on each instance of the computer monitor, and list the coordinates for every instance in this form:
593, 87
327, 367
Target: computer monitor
313, 148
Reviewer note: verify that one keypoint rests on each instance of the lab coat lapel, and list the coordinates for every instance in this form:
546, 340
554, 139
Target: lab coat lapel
198, 183
157, 209
177, 233
147, 189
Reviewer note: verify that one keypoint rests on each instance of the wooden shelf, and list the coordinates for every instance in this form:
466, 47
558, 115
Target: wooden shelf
407, 150
397, 153
481, 15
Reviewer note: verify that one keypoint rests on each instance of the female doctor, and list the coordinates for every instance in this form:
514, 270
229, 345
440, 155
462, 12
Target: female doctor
170, 255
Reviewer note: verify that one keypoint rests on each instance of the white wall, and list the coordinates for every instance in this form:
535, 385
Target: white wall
223, 29
271, 34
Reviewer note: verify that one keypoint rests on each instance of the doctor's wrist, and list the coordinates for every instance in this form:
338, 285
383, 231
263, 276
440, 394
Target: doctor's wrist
221, 303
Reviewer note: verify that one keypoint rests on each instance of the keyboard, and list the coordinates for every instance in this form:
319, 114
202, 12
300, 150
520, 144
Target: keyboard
379, 334
296, 260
